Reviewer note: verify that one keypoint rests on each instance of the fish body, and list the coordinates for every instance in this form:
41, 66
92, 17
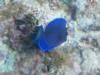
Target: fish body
54, 34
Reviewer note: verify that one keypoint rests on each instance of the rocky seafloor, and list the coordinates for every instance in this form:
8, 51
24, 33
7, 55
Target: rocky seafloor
79, 55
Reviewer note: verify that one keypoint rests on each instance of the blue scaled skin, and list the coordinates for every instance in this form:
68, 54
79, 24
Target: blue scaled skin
54, 34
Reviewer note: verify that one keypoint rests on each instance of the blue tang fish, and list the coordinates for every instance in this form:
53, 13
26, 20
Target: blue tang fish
54, 34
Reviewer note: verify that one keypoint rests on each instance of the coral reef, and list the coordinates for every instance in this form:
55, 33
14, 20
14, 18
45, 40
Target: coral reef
7, 58
79, 55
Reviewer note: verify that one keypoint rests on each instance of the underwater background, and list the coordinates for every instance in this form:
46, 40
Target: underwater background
78, 53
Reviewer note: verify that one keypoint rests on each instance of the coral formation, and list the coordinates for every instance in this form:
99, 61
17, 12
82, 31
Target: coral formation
79, 55
7, 58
